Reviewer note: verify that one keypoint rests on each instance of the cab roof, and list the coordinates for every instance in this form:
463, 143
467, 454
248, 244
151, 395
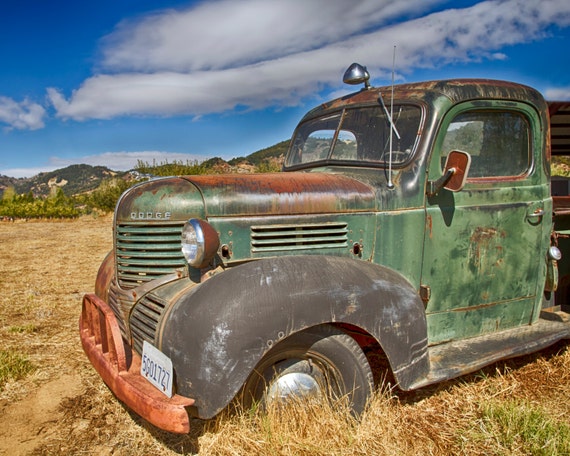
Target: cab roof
455, 90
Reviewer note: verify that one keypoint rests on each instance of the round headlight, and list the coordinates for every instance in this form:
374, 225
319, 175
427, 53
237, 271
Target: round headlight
200, 243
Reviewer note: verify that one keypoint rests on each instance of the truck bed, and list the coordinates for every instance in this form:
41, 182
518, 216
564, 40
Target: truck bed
561, 213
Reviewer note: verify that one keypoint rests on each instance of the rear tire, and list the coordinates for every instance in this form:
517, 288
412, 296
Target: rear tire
320, 361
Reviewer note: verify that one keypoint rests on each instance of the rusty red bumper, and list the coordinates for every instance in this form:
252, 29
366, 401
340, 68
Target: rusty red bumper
119, 366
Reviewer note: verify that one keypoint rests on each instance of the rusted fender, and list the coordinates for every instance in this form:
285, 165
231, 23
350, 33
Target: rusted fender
220, 330
105, 276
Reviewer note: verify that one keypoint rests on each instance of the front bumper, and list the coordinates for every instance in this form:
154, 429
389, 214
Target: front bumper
119, 367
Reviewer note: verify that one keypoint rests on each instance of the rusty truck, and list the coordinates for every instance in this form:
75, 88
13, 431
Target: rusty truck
413, 222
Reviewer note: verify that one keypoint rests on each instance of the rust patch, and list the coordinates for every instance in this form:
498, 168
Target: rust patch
429, 222
485, 252
280, 183
282, 193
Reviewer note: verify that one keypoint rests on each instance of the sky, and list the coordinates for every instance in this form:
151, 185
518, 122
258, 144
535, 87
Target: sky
116, 81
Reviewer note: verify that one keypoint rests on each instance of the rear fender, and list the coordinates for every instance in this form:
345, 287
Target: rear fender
217, 333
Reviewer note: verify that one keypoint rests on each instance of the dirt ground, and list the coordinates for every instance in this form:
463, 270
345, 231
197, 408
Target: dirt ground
45, 267
63, 407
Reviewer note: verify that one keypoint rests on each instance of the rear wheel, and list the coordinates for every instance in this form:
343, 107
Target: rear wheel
318, 362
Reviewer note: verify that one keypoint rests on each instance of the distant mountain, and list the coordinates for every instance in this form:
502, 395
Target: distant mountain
275, 152
72, 180
76, 179
6, 182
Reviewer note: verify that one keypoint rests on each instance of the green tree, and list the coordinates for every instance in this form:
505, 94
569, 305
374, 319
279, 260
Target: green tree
106, 196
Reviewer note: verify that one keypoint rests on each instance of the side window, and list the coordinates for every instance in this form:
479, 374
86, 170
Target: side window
498, 141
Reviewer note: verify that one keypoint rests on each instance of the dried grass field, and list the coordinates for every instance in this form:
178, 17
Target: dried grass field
52, 402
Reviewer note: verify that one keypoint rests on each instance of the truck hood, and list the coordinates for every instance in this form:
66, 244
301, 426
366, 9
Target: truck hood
227, 195
282, 194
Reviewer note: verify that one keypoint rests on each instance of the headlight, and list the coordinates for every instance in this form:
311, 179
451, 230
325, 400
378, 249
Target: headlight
200, 243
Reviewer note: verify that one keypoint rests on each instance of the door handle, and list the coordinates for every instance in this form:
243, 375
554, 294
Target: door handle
538, 213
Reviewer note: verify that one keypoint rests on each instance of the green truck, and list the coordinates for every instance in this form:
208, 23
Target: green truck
413, 224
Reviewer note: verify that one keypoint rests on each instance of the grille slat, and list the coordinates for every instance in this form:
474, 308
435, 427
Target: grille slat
147, 251
144, 320
139, 279
298, 237
144, 260
138, 236
114, 303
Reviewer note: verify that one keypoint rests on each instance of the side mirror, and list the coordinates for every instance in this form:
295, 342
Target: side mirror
454, 174
460, 162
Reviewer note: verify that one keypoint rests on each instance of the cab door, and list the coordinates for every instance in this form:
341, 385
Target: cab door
485, 246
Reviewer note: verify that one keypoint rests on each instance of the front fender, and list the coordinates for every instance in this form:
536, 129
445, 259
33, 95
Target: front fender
218, 332
105, 276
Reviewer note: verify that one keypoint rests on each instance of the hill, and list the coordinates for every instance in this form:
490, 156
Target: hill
77, 179
72, 180
275, 152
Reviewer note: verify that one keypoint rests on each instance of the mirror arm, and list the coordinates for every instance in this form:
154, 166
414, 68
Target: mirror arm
435, 186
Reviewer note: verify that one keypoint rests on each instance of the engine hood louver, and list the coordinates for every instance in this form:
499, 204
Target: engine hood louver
275, 238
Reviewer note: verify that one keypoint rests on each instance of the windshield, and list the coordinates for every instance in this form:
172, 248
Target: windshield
357, 135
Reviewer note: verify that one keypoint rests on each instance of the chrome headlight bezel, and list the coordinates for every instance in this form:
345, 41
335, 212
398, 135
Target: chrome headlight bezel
200, 242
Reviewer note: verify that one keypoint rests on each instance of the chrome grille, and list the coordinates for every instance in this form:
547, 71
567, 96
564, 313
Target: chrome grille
298, 237
144, 320
114, 303
145, 252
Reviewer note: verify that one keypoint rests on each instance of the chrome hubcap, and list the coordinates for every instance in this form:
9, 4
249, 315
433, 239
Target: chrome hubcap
295, 384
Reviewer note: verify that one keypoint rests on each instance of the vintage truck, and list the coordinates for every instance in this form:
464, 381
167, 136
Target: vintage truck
412, 223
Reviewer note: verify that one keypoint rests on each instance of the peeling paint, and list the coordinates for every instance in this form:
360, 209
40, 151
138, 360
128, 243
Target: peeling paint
214, 354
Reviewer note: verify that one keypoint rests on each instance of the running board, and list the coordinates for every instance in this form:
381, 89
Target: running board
457, 358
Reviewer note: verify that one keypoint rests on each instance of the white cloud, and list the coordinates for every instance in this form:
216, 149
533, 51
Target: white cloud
253, 53
224, 34
23, 115
557, 94
25, 172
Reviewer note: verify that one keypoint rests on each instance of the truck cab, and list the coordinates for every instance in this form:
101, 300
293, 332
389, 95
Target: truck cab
412, 222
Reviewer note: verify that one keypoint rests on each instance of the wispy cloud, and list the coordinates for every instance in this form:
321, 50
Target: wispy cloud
23, 115
560, 94
225, 34
224, 54
25, 172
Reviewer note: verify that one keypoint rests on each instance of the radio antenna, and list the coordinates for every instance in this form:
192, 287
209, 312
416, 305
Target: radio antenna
392, 126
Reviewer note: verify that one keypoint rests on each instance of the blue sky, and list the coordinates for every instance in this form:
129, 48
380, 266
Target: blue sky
114, 81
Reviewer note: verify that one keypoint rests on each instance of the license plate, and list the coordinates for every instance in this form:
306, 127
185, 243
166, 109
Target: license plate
156, 367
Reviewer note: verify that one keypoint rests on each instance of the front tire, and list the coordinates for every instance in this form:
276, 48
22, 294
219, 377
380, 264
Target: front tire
320, 361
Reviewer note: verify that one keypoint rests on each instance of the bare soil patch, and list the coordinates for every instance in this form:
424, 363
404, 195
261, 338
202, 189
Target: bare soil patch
63, 407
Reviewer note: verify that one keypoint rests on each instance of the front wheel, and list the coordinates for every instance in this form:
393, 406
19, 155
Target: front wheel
317, 362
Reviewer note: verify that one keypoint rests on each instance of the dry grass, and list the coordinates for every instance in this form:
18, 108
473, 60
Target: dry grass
513, 408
